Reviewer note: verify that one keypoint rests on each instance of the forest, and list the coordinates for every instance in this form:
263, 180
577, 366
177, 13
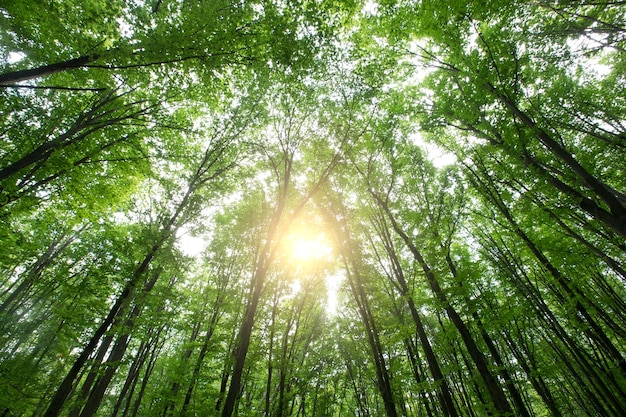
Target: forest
312, 208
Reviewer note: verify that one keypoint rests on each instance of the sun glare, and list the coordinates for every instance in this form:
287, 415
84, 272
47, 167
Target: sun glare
309, 247
310, 251
333, 282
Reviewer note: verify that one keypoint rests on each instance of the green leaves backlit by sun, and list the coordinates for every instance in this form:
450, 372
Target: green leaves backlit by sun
255, 207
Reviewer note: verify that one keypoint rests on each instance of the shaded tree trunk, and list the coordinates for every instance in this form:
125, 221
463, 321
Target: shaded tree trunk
596, 388
117, 353
104, 112
443, 392
498, 398
487, 187
66, 386
350, 257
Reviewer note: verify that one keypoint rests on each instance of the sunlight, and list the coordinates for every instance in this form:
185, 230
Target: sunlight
304, 245
189, 245
309, 253
333, 283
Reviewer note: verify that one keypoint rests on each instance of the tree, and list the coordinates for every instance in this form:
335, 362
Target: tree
213, 164
297, 208
290, 127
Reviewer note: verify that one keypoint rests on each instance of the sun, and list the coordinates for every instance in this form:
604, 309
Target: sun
309, 250
308, 246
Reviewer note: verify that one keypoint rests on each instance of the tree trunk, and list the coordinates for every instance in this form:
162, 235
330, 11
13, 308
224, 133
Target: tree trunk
533, 375
443, 392
66, 387
202, 354
171, 405
268, 382
416, 367
99, 116
133, 412
93, 373
579, 356
595, 332
55, 248
495, 354
498, 398
612, 198
588, 205
264, 260
96, 393
353, 273
244, 339
132, 376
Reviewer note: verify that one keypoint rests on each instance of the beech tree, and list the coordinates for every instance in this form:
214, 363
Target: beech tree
327, 208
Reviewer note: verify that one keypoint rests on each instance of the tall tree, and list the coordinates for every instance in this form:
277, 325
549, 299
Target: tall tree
290, 125
296, 208
212, 165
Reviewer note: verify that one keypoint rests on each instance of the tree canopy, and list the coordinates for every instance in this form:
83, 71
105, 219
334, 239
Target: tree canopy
312, 208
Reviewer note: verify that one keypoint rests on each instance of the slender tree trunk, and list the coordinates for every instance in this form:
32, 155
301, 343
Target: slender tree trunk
613, 199
133, 412
28, 187
579, 356
121, 302
205, 172
213, 322
66, 387
244, 340
132, 377
588, 205
518, 401
612, 263
353, 273
257, 284
443, 392
96, 393
498, 398
416, 367
58, 245
263, 263
595, 332
495, 354
99, 116
171, 405
285, 363
533, 375
268, 382
103, 348
360, 398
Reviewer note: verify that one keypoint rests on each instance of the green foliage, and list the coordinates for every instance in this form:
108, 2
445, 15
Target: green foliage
160, 160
